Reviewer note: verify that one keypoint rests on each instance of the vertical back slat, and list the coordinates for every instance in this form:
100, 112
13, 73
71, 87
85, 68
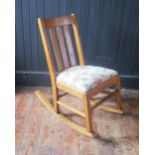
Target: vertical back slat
62, 46
56, 49
69, 44
47, 52
62, 41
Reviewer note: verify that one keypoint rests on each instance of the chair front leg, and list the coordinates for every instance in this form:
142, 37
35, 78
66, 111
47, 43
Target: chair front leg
88, 120
118, 94
55, 100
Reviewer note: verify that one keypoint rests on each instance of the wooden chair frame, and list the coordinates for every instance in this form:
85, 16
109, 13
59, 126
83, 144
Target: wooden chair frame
89, 104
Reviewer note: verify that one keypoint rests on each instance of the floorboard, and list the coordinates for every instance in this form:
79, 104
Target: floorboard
40, 133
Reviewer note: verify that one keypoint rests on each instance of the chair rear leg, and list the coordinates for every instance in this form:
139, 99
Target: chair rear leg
118, 95
88, 120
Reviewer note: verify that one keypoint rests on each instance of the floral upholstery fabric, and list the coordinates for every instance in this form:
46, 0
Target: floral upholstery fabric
84, 78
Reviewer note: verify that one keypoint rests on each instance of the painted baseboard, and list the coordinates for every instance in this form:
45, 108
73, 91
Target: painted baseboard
41, 78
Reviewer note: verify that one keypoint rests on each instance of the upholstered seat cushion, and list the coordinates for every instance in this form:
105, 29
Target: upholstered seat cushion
84, 78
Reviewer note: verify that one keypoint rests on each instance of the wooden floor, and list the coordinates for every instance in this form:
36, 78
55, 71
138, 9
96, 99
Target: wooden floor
38, 132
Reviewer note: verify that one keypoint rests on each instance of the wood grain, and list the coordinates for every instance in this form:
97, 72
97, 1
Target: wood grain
113, 81
69, 45
62, 46
40, 133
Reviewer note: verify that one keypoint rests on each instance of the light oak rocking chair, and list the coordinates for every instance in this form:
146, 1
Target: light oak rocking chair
82, 81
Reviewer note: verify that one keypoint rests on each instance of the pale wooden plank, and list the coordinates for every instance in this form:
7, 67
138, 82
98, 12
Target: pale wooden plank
46, 137
56, 137
70, 90
25, 103
31, 135
21, 124
71, 108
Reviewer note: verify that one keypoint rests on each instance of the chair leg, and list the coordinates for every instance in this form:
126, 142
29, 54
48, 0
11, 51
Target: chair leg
63, 118
88, 120
55, 100
118, 95
118, 100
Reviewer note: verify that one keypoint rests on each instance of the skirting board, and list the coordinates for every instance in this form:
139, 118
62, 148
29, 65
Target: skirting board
39, 78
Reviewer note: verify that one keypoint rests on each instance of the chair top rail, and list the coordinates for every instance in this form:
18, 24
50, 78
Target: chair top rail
58, 21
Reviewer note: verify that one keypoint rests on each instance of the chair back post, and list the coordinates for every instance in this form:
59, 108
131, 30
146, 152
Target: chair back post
47, 53
77, 39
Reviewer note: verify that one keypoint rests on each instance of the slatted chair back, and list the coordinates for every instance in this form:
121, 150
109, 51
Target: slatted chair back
59, 30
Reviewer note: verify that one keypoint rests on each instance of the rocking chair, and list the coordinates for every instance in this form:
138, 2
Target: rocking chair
82, 81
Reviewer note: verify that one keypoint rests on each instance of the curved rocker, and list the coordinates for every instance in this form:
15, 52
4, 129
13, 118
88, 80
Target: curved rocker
81, 80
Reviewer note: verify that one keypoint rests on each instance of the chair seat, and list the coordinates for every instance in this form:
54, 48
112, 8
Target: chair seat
84, 78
